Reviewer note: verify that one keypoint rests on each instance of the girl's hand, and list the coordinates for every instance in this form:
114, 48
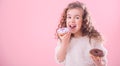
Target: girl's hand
65, 38
97, 61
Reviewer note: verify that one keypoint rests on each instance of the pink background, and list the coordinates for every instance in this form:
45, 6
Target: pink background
27, 29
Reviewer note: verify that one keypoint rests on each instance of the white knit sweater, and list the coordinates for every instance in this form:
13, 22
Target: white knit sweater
78, 52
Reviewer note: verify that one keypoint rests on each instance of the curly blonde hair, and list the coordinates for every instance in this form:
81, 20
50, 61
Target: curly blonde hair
87, 29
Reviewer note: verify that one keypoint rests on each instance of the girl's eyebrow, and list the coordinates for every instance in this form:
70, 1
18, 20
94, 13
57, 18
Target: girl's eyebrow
78, 15
75, 15
68, 14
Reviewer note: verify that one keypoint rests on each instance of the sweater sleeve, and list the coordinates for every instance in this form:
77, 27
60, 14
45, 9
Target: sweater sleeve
56, 51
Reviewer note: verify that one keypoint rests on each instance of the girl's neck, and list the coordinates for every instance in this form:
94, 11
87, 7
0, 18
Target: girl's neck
78, 34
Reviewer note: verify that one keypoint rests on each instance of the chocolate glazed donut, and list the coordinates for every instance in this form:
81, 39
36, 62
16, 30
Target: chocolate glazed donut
97, 52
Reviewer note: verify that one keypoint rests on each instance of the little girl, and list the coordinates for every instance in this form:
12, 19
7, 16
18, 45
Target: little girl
73, 47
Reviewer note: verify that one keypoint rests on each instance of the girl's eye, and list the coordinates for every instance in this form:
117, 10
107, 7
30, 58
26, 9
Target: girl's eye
77, 17
69, 17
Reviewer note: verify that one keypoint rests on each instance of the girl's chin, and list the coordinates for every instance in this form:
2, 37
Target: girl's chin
73, 31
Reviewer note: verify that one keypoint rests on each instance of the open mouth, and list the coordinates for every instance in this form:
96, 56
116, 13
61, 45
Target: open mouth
72, 26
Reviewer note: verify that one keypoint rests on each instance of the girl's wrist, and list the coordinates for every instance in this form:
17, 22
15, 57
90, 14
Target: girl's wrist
65, 42
64, 45
99, 64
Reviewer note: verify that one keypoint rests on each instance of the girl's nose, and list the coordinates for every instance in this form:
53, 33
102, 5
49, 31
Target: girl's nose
72, 20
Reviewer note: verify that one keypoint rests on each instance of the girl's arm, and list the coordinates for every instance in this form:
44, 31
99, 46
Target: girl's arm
61, 51
62, 47
100, 61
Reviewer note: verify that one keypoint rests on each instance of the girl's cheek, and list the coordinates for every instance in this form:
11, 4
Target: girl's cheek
67, 22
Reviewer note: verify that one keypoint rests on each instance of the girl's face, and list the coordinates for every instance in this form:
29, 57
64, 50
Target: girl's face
74, 19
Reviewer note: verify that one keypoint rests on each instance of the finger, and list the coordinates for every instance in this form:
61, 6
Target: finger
100, 60
93, 58
67, 35
96, 59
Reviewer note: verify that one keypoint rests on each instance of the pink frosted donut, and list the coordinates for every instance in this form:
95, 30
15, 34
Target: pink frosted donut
62, 30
